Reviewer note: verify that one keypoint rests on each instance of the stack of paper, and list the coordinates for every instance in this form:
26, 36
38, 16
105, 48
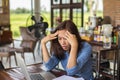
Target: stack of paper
65, 77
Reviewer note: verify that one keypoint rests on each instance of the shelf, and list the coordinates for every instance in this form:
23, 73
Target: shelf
100, 43
106, 74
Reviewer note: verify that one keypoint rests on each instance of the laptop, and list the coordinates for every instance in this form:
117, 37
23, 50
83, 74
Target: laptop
44, 75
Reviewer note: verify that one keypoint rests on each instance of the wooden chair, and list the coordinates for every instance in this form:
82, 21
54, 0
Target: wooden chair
8, 55
28, 42
6, 43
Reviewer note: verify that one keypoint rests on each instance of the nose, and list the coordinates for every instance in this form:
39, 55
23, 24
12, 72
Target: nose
62, 41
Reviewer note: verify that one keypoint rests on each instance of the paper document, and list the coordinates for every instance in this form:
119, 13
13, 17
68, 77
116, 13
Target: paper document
65, 77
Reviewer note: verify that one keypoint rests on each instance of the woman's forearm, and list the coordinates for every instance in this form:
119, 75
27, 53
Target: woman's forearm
72, 61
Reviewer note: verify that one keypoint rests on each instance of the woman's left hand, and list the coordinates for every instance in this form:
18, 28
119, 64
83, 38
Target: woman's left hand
71, 39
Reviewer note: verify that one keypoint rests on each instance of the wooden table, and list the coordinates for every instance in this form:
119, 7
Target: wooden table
16, 74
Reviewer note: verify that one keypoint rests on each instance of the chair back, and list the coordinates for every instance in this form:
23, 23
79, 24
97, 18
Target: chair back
6, 37
28, 40
26, 34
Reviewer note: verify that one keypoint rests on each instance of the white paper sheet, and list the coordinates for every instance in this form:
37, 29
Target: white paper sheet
65, 77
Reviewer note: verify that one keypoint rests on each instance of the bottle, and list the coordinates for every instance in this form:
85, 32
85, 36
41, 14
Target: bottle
114, 36
95, 34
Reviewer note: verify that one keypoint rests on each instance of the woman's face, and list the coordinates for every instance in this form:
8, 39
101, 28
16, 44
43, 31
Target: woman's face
62, 40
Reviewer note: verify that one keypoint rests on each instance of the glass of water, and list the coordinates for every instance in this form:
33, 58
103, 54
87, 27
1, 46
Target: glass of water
107, 42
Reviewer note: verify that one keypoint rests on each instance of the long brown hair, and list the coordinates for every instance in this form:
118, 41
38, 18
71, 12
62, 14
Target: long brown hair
56, 47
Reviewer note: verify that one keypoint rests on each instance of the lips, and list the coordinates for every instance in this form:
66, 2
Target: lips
64, 47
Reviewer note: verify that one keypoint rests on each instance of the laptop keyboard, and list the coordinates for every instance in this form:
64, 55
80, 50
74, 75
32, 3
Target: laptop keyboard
36, 77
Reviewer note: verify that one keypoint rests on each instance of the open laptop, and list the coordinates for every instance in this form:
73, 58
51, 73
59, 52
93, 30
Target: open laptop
32, 76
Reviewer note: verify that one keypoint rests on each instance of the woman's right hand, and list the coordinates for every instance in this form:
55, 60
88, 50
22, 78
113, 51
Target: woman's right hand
49, 37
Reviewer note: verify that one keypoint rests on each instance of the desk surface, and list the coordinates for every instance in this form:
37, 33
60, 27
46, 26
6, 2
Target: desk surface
98, 46
15, 74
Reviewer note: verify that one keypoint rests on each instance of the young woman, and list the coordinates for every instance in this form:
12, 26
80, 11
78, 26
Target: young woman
68, 48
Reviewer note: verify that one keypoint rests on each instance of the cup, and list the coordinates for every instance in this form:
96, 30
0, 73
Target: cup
107, 42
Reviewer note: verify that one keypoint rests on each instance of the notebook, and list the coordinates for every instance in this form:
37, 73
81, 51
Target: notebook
32, 76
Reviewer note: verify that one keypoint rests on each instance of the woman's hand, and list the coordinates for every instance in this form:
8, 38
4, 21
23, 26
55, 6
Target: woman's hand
49, 37
71, 39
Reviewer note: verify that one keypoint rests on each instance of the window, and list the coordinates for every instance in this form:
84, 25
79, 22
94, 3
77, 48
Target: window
67, 9
4, 6
4, 13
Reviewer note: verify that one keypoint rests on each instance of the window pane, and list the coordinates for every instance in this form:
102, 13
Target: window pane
66, 13
0, 3
1, 7
77, 1
56, 13
56, 1
77, 17
65, 1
